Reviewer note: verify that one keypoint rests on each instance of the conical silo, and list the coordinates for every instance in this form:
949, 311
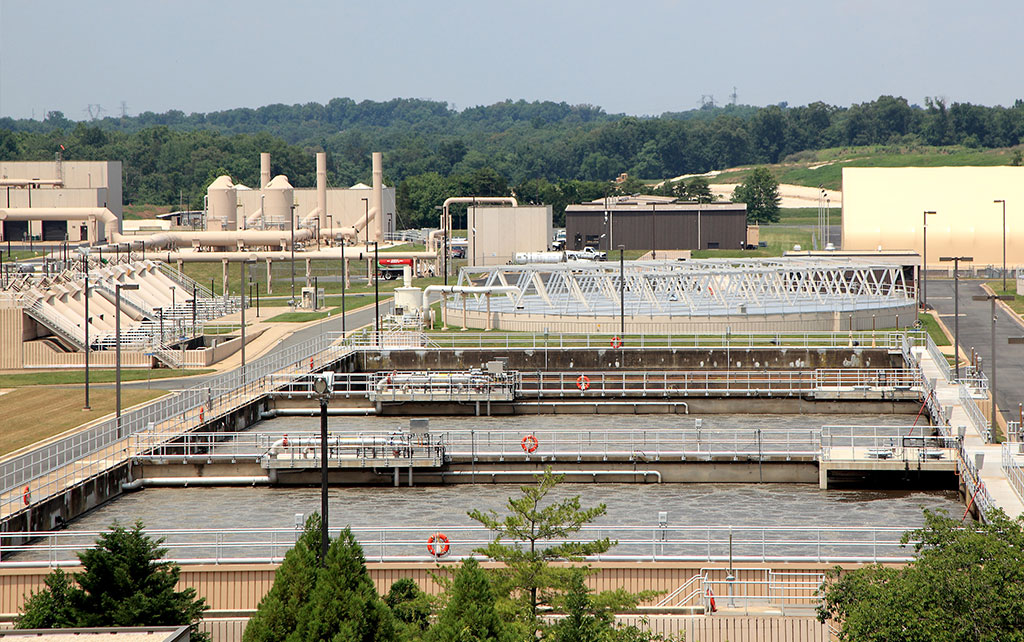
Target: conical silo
221, 204
278, 199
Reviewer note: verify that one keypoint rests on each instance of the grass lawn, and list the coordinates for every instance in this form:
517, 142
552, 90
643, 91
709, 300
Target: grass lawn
32, 414
1017, 304
95, 376
20, 255
929, 323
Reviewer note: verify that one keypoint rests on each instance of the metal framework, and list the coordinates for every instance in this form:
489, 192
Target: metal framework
702, 287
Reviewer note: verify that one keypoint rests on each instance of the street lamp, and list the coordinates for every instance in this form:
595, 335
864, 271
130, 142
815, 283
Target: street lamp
117, 348
343, 281
322, 385
241, 293
924, 260
622, 292
956, 306
86, 259
993, 298
1003, 201
376, 292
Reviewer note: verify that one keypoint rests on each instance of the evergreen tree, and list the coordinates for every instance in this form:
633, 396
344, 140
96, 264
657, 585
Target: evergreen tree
278, 611
344, 605
470, 614
528, 578
761, 194
410, 606
122, 583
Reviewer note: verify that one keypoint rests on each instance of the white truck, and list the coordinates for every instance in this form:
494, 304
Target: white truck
586, 254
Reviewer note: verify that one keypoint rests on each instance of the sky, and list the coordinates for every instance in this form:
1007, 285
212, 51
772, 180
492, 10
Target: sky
641, 57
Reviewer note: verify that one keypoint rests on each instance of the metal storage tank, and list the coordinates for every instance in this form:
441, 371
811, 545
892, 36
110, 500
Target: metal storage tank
222, 204
278, 199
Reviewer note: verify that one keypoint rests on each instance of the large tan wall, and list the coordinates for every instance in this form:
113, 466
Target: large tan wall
884, 207
344, 205
503, 231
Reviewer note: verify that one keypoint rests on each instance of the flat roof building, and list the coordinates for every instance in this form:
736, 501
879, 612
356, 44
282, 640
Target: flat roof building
655, 223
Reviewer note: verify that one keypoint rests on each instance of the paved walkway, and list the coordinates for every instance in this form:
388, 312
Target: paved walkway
992, 473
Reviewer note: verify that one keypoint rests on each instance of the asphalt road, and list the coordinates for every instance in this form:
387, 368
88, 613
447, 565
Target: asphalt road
976, 332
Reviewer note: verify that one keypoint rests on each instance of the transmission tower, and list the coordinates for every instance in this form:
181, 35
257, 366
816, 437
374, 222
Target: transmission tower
732, 96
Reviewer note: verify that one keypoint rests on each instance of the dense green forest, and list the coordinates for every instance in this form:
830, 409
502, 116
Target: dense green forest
543, 151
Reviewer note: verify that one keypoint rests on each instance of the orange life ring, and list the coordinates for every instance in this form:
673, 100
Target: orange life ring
27, 496
284, 442
311, 363
583, 382
616, 342
442, 545
201, 414
711, 600
530, 443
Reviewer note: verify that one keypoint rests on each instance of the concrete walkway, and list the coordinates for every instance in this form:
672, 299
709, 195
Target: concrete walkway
992, 474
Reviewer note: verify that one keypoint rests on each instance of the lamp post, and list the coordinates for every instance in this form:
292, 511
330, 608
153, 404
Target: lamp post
241, 293
1003, 202
86, 334
956, 306
322, 386
654, 215
376, 294
924, 260
993, 298
622, 291
117, 349
343, 280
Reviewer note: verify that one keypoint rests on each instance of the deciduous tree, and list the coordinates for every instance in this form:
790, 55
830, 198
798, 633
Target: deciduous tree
761, 194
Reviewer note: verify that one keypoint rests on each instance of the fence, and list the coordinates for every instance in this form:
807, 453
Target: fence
897, 443
981, 424
741, 544
1012, 466
49, 469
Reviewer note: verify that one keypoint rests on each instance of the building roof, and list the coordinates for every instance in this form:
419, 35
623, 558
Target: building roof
663, 204
104, 634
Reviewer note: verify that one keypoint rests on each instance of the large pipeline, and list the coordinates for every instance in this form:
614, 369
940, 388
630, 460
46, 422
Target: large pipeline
333, 254
446, 219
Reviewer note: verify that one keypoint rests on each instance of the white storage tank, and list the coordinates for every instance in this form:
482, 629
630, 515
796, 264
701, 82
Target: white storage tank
277, 201
539, 257
221, 204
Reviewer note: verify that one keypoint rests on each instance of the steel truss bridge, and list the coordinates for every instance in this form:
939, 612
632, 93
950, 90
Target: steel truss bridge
700, 287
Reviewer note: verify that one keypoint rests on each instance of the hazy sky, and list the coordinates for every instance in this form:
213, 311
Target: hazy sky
638, 57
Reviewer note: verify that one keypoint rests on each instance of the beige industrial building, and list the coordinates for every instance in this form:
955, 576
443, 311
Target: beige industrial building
239, 207
496, 234
885, 208
56, 186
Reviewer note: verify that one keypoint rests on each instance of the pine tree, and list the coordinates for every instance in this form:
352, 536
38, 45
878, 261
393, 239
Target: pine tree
122, 583
278, 611
344, 605
470, 613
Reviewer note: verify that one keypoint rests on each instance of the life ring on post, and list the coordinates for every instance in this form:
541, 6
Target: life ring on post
202, 415
529, 443
711, 600
583, 382
441, 548
27, 496
616, 342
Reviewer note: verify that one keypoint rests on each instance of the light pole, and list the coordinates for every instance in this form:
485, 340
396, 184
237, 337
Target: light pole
1003, 201
654, 216
376, 293
993, 298
622, 292
924, 260
86, 333
343, 280
241, 293
322, 386
117, 348
293, 256
956, 306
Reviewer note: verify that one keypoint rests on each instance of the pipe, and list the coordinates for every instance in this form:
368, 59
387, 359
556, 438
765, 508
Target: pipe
314, 412
333, 254
321, 188
264, 169
446, 223
377, 195
25, 182
253, 218
466, 289
568, 473
337, 442
195, 481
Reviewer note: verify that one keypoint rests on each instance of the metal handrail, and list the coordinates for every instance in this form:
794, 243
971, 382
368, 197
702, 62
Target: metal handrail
796, 543
1012, 467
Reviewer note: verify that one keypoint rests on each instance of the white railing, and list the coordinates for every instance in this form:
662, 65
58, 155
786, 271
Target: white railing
499, 340
980, 423
894, 443
747, 544
1011, 452
938, 358
974, 487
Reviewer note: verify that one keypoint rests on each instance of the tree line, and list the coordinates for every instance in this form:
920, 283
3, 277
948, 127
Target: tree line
524, 143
